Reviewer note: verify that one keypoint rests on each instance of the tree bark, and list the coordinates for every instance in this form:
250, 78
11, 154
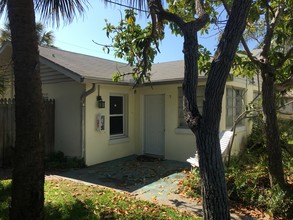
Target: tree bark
28, 168
206, 129
271, 128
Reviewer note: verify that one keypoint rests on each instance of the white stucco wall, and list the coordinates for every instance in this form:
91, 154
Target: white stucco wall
98, 146
67, 116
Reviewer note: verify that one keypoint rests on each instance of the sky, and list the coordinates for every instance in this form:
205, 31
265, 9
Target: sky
79, 35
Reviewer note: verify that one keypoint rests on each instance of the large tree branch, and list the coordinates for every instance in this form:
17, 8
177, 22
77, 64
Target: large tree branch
190, 50
199, 23
222, 62
269, 31
156, 6
246, 48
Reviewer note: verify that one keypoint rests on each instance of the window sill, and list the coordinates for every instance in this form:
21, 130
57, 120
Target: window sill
119, 140
183, 131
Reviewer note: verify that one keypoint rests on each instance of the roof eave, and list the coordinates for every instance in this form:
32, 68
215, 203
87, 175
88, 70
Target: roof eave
73, 75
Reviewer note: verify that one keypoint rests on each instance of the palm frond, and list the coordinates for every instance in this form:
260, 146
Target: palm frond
140, 5
47, 39
56, 10
3, 5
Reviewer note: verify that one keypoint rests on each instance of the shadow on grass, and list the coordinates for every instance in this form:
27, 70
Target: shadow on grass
100, 204
74, 210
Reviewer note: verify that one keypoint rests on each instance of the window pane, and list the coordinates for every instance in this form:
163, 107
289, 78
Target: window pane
229, 117
234, 106
116, 105
116, 125
182, 123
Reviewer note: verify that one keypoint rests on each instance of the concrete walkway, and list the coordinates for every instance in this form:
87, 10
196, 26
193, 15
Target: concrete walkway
164, 191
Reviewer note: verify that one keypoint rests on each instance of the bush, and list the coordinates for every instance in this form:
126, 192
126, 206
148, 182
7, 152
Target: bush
279, 203
191, 186
57, 160
248, 184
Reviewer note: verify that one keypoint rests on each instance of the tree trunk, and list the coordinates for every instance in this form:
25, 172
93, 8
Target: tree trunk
206, 128
275, 165
214, 191
28, 168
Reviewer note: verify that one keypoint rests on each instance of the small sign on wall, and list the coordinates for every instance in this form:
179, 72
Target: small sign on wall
100, 122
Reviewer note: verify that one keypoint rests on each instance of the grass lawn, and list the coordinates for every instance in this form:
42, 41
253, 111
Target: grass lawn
66, 199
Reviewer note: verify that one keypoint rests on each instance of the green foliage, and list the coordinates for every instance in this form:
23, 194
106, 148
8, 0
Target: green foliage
185, 9
262, 15
256, 140
279, 202
243, 66
5, 198
137, 45
247, 180
248, 184
66, 199
204, 60
44, 38
191, 186
57, 160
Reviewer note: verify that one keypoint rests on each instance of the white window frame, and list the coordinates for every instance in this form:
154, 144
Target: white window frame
199, 99
234, 104
124, 116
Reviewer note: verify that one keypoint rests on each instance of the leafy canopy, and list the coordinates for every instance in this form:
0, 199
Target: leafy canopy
137, 45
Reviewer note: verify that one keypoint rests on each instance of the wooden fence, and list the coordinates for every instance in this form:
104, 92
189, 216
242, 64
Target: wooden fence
7, 129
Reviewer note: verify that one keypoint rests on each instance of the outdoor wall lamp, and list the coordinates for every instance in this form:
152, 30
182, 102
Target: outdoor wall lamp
101, 103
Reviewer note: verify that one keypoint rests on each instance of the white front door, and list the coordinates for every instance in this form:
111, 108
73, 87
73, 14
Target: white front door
154, 121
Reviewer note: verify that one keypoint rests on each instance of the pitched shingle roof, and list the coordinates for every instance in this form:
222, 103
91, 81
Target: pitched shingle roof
94, 68
80, 67
168, 71
84, 66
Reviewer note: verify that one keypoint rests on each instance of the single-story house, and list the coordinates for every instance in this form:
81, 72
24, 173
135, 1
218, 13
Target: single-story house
101, 120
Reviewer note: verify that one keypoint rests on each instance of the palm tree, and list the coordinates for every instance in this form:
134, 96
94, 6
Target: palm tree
44, 38
5, 34
28, 166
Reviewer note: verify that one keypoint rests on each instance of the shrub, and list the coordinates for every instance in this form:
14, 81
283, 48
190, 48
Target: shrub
57, 160
248, 184
191, 186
